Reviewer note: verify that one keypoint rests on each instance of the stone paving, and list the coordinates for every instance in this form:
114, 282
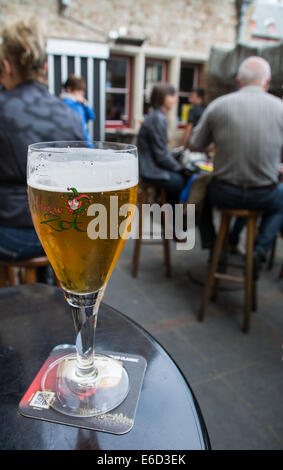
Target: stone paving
237, 378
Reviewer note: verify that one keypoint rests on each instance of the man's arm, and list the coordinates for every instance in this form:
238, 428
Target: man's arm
192, 121
202, 136
187, 134
158, 137
90, 114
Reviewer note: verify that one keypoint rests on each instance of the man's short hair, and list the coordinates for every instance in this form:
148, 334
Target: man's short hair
199, 92
75, 83
254, 69
159, 92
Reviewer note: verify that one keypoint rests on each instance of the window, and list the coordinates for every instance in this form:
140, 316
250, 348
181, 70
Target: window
118, 91
155, 71
189, 78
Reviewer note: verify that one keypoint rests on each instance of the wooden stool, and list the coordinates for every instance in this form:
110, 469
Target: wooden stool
27, 270
248, 281
148, 194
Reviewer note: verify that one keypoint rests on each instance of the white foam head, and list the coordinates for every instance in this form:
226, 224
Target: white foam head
87, 170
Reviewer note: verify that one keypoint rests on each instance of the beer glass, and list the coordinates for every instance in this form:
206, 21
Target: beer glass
82, 199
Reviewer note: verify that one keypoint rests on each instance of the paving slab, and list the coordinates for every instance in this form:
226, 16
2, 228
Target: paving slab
237, 378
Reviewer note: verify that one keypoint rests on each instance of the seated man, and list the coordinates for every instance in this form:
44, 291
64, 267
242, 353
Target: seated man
246, 127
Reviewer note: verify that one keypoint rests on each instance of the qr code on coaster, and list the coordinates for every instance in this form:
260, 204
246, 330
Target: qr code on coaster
42, 399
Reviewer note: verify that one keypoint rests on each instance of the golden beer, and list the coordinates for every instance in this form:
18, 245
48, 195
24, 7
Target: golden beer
82, 199
62, 221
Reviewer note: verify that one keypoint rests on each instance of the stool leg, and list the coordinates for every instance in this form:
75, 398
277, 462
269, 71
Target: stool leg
165, 240
30, 276
167, 257
137, 248
249, 282
224, 227
12, 276
4, 277
222, 263
254, 294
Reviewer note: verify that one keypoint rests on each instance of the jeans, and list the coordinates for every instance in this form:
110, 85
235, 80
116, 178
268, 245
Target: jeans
19, 243
241, 222
173, 186
22, 243
267, 201
238, 226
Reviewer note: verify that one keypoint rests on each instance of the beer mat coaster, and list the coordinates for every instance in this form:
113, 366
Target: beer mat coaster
38, 404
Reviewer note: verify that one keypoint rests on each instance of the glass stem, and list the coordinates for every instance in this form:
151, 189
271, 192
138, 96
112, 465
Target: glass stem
84, 308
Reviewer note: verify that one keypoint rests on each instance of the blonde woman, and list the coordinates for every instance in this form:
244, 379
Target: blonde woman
28, 114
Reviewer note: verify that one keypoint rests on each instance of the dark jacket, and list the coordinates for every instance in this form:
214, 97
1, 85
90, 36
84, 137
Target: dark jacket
155, 159
28, 114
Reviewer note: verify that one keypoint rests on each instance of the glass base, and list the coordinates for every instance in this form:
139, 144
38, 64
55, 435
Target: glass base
89, 395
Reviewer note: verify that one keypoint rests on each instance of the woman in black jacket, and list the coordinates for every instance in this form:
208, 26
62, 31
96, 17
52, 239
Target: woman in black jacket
157, 165
28, 114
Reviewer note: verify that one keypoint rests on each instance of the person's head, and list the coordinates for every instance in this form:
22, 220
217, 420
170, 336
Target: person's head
22, 53
75, 85
196, 96
163, 96
254, 71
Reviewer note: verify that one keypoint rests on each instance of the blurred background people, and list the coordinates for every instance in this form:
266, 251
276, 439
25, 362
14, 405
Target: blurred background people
157, 165
74, 97
247, 129
28, 114
196, 99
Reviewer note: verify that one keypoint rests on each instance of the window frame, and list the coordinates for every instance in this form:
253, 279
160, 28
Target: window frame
165, 68
128, 91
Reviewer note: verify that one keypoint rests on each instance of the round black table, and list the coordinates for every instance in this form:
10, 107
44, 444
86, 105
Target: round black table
34, 318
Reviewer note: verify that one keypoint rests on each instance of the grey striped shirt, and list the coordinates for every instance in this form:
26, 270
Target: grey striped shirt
247, 129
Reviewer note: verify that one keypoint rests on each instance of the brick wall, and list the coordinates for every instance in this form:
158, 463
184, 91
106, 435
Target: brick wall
192, 25
186, 26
